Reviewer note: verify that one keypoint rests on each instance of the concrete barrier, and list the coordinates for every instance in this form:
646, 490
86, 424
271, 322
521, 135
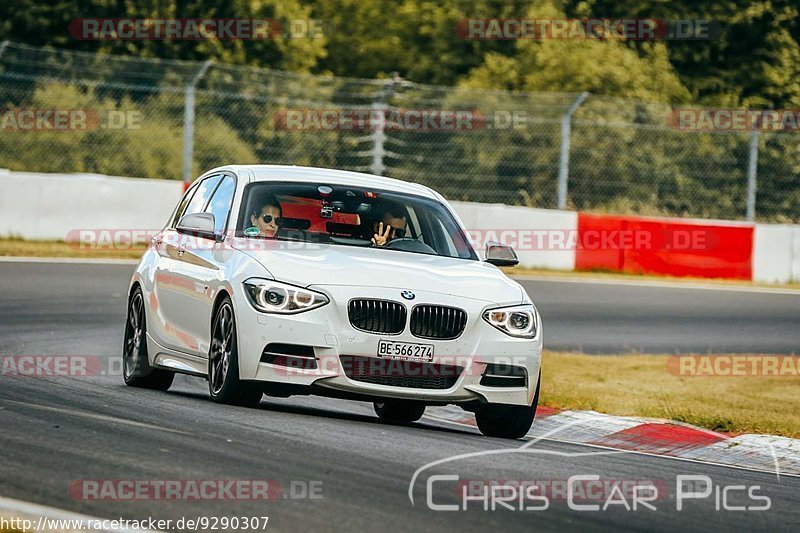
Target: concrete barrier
542, 238
796, 254
49, 206
775, 253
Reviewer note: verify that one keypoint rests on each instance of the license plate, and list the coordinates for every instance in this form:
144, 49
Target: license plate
407, 351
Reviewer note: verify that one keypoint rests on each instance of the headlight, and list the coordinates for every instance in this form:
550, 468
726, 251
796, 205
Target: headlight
517, 321
270, 296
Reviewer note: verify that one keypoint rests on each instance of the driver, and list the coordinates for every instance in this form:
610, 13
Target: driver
392, 225
267, 218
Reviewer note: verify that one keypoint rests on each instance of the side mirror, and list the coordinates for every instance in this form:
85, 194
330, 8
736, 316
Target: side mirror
500, 255
199, 224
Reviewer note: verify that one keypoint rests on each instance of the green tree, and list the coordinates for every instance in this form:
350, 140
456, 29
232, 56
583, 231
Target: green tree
752, 57
44, 22
605, 67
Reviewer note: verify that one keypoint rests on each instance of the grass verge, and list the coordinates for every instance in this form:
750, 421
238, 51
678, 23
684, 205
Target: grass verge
61, 249
641, 385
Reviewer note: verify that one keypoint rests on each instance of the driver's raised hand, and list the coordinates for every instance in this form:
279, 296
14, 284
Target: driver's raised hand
382, 237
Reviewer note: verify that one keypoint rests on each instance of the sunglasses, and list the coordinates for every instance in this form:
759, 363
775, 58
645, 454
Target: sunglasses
269, 218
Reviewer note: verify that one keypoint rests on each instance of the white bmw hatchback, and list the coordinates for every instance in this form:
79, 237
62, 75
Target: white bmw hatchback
288, 280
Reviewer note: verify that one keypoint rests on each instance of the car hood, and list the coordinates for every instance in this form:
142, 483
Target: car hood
352, 266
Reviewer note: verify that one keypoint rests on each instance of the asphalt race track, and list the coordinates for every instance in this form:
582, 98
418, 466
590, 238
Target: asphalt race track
58, 431
652, 318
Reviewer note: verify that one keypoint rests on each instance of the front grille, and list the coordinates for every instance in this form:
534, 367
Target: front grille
377, 316
437, 322
396, 373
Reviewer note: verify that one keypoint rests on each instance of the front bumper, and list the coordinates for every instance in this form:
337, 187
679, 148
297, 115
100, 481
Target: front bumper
328, 330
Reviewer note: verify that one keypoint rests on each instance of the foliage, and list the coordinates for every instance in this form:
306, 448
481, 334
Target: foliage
753, 58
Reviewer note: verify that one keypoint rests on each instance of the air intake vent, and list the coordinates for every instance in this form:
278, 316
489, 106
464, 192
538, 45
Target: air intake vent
377, 316
437, 322
501, 375
291, 355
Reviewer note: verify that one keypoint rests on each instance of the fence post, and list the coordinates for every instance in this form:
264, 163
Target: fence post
563, 164
752, 171
188, 123
378, 136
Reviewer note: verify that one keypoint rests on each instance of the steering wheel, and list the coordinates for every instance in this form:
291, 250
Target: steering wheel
408, 244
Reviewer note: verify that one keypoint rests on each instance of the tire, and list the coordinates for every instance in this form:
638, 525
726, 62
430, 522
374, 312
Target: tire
136, 369
507, 421
399, 411
224, 384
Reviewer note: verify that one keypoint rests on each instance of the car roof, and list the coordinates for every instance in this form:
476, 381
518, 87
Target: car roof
330, 176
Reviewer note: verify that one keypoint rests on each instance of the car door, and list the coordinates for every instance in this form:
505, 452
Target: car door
180, 286
205, 264
165, 246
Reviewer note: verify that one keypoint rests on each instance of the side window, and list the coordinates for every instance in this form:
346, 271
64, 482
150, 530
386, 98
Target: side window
203, 194
220, 205
182, 206
199, 198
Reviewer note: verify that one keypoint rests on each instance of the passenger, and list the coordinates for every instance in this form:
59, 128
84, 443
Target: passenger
268, 218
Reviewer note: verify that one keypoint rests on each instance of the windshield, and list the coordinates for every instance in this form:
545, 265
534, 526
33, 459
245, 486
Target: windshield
351, 216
